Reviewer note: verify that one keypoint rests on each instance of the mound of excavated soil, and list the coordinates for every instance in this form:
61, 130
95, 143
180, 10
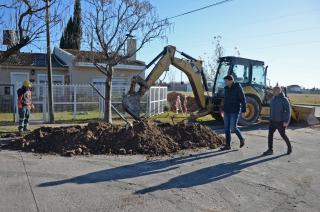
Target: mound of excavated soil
146, 137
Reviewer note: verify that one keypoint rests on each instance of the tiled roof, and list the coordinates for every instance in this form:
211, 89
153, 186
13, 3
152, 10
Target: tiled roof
98, 57
33, 59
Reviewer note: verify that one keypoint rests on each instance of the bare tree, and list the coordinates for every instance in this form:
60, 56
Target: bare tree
237, 51
29, 16
211, 64
113, 22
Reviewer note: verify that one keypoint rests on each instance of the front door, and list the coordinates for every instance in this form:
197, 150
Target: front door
17, 80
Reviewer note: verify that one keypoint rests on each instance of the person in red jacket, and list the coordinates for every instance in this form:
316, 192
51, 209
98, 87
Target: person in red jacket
24, 105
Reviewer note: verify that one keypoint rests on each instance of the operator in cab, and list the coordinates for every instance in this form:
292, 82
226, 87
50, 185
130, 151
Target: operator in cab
234, 103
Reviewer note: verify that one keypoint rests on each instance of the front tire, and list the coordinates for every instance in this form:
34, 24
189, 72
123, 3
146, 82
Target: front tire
252, 112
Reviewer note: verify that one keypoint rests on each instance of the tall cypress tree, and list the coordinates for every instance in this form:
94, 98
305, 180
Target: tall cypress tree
71, 37
77, 29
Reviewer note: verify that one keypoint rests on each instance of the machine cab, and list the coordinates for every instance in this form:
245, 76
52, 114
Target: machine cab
247, 72
251, 74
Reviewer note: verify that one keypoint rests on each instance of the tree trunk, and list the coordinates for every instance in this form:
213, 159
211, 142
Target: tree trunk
108, 96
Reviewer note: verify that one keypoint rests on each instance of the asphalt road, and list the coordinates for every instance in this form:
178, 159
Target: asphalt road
206, 180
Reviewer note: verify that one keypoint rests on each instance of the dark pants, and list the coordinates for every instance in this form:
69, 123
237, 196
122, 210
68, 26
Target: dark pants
230, 125
282, 130
24, 114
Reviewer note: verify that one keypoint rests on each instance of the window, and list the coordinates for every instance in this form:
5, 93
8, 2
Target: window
119, 84
241, 73
56, 80
7, 90
222, 72
258, 75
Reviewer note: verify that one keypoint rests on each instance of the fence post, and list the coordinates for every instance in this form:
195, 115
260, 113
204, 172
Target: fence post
14, 107
44, 106
159, 100
74, 102
149, 102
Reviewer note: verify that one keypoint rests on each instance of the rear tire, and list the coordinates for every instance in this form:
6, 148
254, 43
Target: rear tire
252, 112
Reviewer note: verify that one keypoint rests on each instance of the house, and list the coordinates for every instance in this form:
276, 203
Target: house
81, 68
178, 86
294, 89
68, 67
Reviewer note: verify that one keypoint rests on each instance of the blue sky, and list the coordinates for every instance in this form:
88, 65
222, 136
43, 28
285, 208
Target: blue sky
283, 33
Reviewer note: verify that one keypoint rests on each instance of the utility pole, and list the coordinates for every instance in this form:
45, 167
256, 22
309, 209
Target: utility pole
50, 93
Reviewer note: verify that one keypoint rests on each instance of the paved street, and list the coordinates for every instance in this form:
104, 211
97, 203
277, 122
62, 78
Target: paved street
206, 180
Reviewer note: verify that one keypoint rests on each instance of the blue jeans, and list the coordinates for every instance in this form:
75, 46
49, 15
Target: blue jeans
24, 114
230, 125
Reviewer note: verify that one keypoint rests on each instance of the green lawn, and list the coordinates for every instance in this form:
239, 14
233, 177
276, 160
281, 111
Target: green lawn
307, 99
7, 118
173, 118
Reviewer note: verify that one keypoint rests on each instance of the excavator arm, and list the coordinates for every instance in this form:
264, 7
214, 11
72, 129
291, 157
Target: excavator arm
191, 67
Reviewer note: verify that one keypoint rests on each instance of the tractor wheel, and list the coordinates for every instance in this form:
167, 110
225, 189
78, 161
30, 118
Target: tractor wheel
252, 112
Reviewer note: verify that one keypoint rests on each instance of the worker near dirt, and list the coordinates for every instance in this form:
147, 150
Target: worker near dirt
280, 113
24, 105
234, 102
185, 104
178, 105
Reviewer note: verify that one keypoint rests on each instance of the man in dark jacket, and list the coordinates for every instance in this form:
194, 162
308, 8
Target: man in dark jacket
234, 100
280, 113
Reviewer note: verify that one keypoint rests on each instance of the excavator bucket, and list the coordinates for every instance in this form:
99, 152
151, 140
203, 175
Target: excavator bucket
305, 114
131, 104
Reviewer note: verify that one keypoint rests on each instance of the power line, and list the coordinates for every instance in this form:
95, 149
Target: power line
275, 18
201, 8
280, 32
284, 45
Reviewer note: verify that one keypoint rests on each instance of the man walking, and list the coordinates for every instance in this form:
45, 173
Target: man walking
234, 101
24, 105
280, 113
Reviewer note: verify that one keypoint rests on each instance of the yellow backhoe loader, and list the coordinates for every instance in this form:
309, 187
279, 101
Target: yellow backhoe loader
252, 74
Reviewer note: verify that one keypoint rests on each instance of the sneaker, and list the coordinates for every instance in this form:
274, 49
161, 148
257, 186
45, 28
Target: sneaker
242, 142
268, 152
224, 148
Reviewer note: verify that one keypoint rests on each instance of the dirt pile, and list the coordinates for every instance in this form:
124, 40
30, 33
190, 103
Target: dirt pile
191, 102
146, 137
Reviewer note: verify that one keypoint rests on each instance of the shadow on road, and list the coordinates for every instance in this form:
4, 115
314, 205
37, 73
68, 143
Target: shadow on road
208, 174
263, 125
134, 170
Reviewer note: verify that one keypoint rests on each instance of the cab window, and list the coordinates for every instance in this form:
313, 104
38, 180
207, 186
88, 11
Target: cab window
241, 73
258, 75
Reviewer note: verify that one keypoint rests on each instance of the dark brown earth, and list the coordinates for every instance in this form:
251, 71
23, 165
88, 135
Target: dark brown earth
147, 137
191, 102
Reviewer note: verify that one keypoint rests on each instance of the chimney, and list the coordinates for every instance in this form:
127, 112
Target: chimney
131, 48
10, 38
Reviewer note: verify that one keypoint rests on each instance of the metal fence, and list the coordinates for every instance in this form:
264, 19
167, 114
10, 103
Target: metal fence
7, 107
75, 102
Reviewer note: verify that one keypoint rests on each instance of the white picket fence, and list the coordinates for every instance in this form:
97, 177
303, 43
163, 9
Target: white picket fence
83, 102
157, 99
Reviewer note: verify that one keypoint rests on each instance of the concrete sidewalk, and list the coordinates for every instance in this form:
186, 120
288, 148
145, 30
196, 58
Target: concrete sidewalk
207, 180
